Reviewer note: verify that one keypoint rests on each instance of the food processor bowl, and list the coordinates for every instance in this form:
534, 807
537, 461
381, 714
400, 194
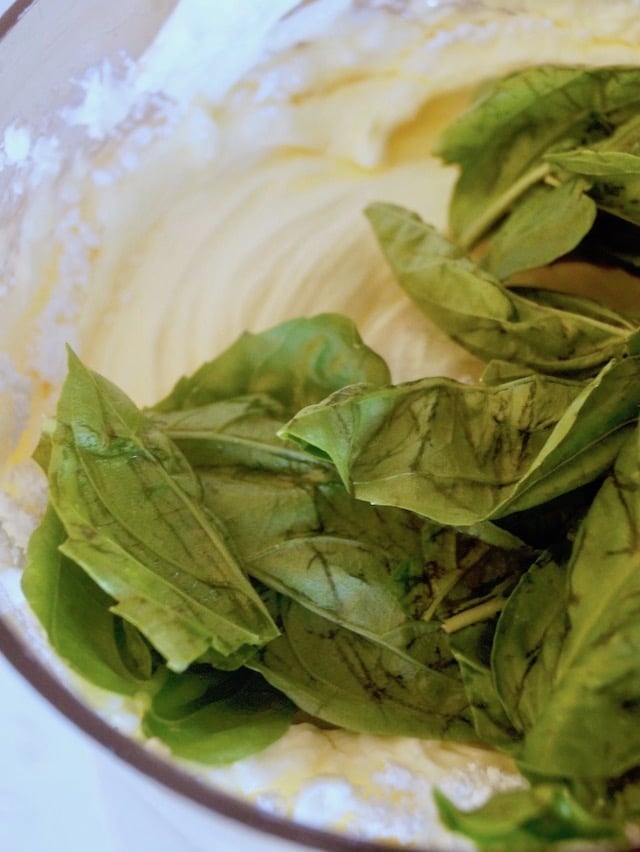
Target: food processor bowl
66, 84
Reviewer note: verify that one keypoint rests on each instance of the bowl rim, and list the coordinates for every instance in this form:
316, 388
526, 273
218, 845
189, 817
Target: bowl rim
170, 775
12, 15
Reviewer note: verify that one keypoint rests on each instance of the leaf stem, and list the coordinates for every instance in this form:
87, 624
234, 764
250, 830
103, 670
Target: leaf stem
477, 552
481, 612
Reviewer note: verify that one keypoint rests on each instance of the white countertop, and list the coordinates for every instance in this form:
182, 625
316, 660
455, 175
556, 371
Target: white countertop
51, 795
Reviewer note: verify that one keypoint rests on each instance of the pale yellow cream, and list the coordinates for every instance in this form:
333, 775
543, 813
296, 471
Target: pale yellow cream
231, 200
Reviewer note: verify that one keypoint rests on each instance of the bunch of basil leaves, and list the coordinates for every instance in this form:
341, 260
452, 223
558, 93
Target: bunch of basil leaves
289, 534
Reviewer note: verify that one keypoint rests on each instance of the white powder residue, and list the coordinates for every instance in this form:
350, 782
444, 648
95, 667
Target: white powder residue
109, 99
28, 159
16, 144
16, 392
371, 788
220, 48
23, 498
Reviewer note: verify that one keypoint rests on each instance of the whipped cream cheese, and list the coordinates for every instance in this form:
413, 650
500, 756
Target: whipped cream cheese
219, 187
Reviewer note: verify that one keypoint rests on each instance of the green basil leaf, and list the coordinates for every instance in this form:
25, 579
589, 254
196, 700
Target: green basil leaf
536, 818
586, 438
131, 507
581, 305
501, 142
597, 162
485, 317
462, 454
286, 510
547, 223
364, 565
596, 684
295, 363
217, 718
613, 167
619, 196
472, 648
240, 432
75, 614
347, 680
528, 639
314, 543
614, 154
448, 451
293, 524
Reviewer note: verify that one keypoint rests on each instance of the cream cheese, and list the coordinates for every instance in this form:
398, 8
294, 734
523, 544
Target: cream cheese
220, 189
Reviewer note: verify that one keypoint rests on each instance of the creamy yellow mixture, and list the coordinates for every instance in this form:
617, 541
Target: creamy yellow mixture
222, 190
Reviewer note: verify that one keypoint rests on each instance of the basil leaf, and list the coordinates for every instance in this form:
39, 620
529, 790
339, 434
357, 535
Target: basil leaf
355, 683
239, 432
132, 509
472, 648
613, 168
478, 312
536, 818
586, 438
312, 542
546, 224
370, 569
501, 142
597, 162
528, 639
615, 192
295, 363
285, 510
614, 154
461, 454
596, 683
619, 196
451, 452
293, 524
217, 718
75, 614
581, 305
